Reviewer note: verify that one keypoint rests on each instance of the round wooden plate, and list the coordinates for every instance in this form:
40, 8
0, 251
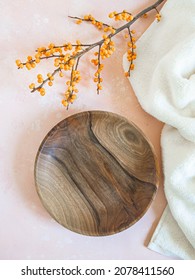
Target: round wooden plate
95, 173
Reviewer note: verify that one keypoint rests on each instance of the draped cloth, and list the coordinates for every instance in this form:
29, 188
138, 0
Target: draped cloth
164, 83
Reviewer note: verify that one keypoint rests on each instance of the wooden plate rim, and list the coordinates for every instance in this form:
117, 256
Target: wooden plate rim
157, 169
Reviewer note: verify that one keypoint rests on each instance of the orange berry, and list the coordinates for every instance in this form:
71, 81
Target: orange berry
29, 58
73, 97
106, 29
42, 91
111, 15
65, 103
50, 83
129, 18
132, 66
39, 76
51, 46
18, 62
158, 17
28, 66
79, 21
96, 74
66, 67
129, 44
127, 74
56, 62
118, 17
69, 47
37, 55
48, 53
99, 25
71, 62
67, 94
99, 86
32, 86
33, 65
78, 42
107, 41
86, 17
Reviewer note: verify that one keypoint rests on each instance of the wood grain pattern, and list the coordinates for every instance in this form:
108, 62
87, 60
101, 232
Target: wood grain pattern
96, 173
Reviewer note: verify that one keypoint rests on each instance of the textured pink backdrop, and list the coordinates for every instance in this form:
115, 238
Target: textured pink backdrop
26, 229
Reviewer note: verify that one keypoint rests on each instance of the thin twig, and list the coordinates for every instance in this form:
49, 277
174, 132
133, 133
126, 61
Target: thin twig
90, 20
99, 58
132, 50
77, 63
46, 80
130, 14
66, 45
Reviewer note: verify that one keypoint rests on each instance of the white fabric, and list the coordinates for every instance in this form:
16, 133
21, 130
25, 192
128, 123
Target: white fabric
164, 82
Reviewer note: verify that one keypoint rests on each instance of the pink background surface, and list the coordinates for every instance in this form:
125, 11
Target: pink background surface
26, 229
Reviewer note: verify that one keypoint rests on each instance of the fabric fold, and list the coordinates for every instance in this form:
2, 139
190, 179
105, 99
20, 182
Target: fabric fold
172, 243
164, 83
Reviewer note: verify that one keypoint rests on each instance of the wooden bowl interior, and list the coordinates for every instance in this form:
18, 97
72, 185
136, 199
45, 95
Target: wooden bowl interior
96, 173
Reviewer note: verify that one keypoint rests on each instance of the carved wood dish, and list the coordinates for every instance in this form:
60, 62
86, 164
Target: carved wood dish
96, 173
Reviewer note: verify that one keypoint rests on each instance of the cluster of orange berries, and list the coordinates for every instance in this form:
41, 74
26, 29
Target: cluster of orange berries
70, 94
131, 54
97, 79
106, 50
100, 25
30, 63
121, 16
107, 47
63, 61
53, 51
66, 57
158, 17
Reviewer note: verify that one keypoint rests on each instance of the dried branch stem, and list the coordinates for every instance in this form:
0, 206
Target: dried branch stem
90, 20
88, 47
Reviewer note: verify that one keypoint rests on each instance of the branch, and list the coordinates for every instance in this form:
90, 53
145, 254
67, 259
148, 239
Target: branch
91, 20
67, 61
123, 27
